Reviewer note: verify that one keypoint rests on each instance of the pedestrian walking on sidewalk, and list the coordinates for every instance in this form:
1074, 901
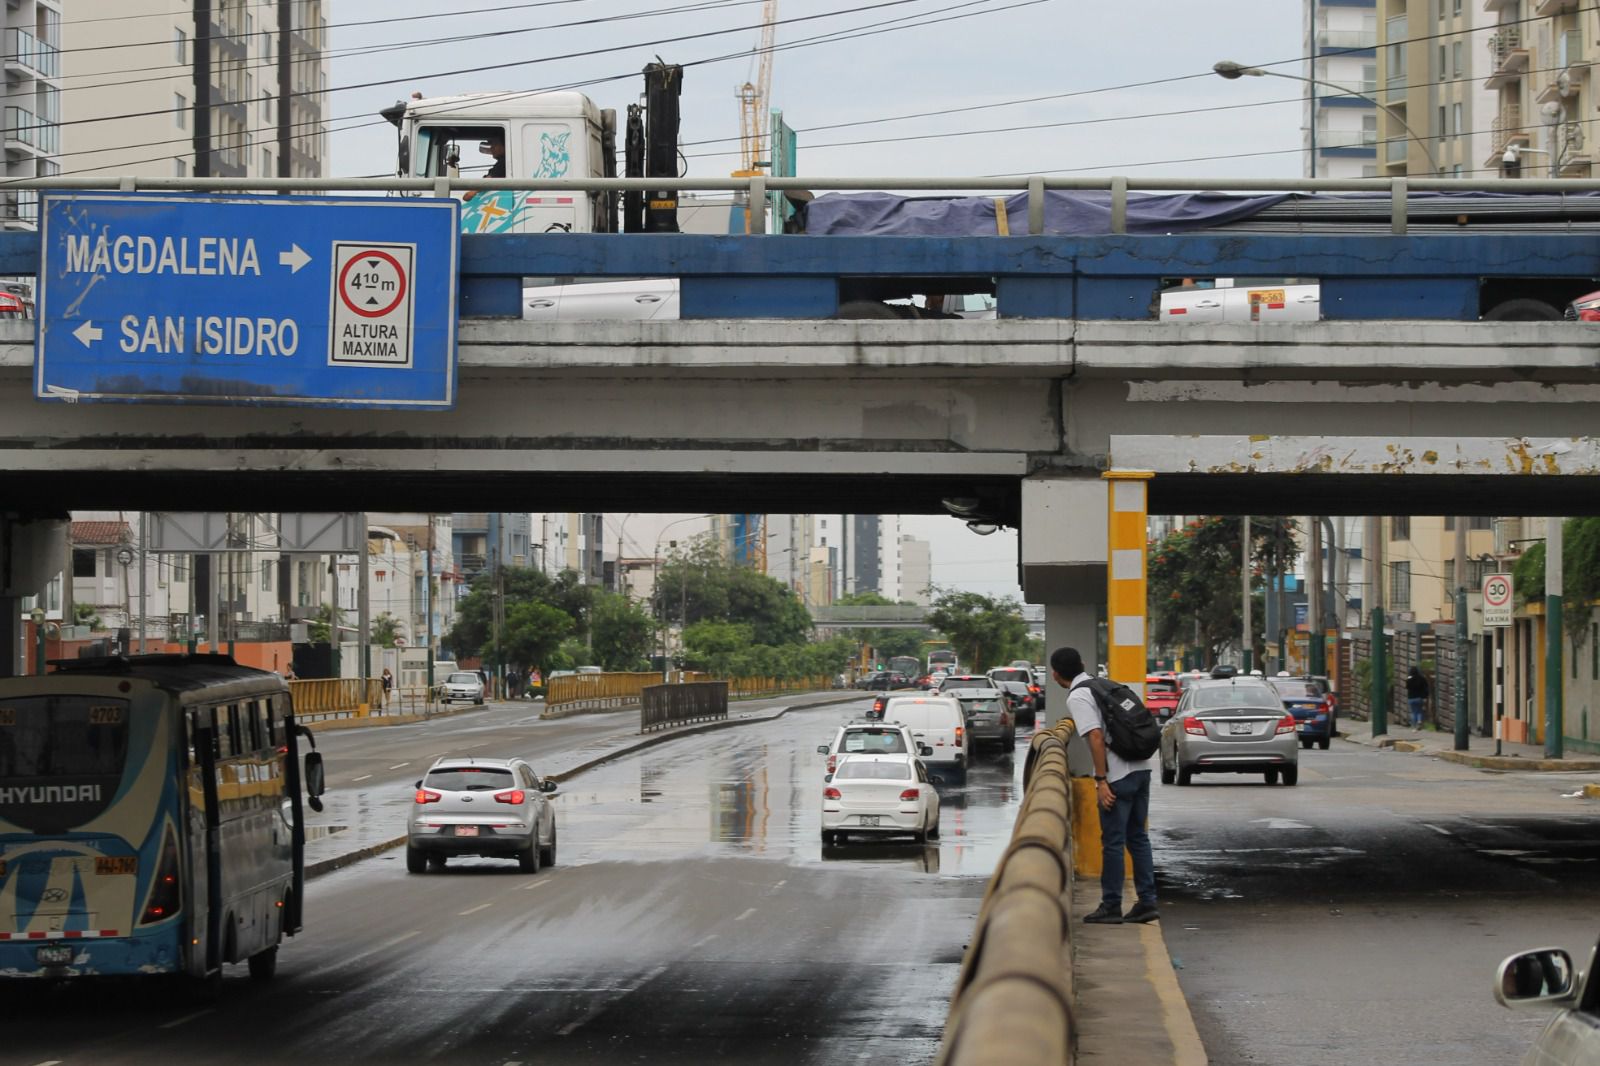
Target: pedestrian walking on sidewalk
388, 683
1122, 789
1416, 695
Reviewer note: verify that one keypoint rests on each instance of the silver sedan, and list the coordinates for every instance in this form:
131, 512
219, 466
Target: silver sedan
1230, 726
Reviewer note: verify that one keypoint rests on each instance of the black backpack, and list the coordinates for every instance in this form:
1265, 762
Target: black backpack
1131, 730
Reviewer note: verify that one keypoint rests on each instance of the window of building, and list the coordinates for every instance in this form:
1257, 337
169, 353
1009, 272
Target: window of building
1400, 586
180, 568
1457, 58
180, 168
266, 575
83, 562
1368, 171
1369, 77
180, 109
1444, 130
1481, 522
1449, 576
1455, 7
1456, 128
1443, 58
1400, 527
180, 46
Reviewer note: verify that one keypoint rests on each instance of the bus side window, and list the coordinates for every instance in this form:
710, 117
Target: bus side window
252, 722
269, 723
205, 718
227, 735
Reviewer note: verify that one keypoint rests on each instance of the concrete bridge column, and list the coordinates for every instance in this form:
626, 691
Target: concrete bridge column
30, 555
1065, 521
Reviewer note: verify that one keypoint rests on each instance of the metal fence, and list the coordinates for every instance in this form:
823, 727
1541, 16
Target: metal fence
336, 695
664, 706
1013, 999
599, 692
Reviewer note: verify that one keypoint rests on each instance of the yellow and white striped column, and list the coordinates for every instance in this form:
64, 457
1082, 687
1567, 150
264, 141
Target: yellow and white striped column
1125, 577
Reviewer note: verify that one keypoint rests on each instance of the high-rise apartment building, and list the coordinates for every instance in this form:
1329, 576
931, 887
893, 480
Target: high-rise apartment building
1537, 75
32, 103
1341, 129
916, 571
131, 105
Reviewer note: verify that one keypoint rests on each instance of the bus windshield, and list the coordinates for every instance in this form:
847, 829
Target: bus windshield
61, 758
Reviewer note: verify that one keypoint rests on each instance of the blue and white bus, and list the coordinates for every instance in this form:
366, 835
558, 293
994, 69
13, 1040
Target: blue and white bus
150, 818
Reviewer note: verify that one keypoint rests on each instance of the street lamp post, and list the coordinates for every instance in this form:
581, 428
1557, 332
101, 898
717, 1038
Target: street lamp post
655, 584
1233, 71
37, 614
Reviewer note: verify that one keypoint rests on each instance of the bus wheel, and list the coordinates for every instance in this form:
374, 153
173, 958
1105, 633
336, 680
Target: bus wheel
263, 964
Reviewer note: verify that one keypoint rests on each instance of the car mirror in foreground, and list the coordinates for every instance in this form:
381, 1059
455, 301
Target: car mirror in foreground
1534, 977
419, 782
822, 749
924, 749
548, 785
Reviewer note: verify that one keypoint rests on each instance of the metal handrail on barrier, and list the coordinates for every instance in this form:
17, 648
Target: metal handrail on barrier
335, 695
664, 706
1013, 1001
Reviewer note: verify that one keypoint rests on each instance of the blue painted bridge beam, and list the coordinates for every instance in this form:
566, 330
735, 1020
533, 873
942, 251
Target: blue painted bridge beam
1368, 276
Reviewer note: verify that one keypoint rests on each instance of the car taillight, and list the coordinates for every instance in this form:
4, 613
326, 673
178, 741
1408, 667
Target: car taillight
165, 891
831, 793
833, 763
1285, 724
910, 794
1005, 718
1328, 703
425, 796
1034, 689
1195, 726
959, 731
514, 797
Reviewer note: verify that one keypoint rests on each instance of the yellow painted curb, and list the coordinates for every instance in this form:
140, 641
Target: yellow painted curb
1175, 1017
1592, 791
1406, 745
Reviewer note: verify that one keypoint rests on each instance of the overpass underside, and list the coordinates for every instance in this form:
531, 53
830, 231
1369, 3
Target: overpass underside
873, 416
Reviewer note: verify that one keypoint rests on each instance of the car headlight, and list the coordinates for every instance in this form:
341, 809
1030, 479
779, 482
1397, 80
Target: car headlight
1587, 310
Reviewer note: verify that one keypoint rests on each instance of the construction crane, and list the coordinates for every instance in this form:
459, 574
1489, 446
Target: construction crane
752, 96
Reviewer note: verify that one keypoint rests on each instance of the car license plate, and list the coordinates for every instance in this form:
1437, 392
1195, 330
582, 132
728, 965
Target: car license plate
466, 830
869, 819
1241, 728
54, 955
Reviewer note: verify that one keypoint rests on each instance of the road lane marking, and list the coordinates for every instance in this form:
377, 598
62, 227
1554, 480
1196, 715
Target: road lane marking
530, 886
703, 941
1441, 830
475, 910
398, 765
745, 915
49, 1062
186, 1018
570, 1026
363, 777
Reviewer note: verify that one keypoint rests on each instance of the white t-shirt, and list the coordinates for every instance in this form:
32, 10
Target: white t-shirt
1085, 712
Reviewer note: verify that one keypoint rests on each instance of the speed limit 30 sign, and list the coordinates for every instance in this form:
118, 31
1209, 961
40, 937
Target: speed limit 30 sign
1497, 600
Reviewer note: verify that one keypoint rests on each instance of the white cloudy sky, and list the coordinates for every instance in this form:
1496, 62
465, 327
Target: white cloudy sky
1008, 52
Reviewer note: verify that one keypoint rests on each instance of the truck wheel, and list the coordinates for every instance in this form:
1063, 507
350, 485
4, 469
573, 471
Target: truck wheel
263, 964
1523, 310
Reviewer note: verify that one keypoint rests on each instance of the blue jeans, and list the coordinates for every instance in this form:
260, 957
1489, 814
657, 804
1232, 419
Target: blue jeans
1123, 826
1416, 710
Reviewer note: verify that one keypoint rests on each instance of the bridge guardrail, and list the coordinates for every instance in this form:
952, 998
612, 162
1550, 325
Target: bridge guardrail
1013, 1002
336, 696
664, 706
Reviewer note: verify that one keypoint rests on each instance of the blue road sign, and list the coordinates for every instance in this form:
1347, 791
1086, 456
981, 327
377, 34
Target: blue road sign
293, 301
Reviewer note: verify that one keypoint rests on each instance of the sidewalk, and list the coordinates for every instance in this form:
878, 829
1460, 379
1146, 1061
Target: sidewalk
361, 829
1480, 754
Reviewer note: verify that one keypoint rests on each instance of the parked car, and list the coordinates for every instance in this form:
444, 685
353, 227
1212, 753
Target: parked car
1314, 706
1161, 695
462, 685
938, 722
880, 795
1242, 300
1547, 978
473, 806
1233, 726
858, 738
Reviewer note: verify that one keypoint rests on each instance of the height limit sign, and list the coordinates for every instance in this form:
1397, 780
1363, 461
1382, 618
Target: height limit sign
372, 304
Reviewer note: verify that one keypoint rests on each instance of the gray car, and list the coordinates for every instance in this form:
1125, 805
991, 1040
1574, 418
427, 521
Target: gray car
1230, 726
1548, 978
489, 807
989, 721
461, 685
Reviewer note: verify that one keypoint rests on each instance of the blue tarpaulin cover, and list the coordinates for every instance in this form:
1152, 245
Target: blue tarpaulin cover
1066, 213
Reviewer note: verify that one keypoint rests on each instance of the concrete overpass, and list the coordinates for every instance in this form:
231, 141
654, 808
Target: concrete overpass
897, 616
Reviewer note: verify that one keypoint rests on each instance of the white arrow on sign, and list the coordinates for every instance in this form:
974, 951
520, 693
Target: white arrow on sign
295, 258
88, 333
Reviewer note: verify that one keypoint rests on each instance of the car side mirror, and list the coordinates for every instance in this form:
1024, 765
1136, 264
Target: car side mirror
924, 749
1542, 976
822, 749
419, 782
548, 785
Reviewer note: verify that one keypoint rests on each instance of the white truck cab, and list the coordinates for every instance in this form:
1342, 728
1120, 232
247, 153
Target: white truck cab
544, 135
1242, 300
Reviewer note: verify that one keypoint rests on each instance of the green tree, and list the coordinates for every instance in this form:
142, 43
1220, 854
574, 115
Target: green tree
384, 629
622, 631
700, 585
472, 629
1580, 576
534, 631
1193, 594
887, 642
984, 631
319, 627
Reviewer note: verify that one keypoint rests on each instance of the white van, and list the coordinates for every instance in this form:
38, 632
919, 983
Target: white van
628, 300
1243, 300
936, 721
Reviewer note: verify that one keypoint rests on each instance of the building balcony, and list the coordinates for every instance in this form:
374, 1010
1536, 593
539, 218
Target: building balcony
26, 54
1505, 129
1553, 7
1347, 40
1508, 59
1569, 70
28, 134
1335, 139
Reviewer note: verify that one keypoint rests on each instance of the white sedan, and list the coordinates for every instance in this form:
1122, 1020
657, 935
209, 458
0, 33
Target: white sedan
880, 795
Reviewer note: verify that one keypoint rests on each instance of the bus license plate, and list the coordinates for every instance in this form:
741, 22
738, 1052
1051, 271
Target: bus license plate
869, 819
54, 955
466, 830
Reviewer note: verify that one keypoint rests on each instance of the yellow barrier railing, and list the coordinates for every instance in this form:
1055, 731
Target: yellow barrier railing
1013, 999
331, 695
603, 690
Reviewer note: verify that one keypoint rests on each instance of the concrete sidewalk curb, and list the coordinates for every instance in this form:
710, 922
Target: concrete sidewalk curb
1477, 760
339, 862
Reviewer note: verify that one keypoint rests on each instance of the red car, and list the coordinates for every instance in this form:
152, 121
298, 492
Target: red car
1584, 308
1161, 695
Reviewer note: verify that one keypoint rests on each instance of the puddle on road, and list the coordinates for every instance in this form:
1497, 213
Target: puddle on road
318, 832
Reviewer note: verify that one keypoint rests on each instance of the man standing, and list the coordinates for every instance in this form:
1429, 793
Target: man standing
1122, 789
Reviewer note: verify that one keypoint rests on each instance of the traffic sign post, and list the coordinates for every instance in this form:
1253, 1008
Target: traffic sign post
241, 300
1497, 595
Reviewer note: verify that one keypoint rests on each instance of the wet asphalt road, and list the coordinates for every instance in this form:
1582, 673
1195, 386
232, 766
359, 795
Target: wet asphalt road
1359, 916
692, 917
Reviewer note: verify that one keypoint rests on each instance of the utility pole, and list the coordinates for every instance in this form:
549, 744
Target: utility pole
1461, 723
427, 599
1316, 664
285, 98
1553, 718
363, 613
1244, 591
1380, 650
202, 95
